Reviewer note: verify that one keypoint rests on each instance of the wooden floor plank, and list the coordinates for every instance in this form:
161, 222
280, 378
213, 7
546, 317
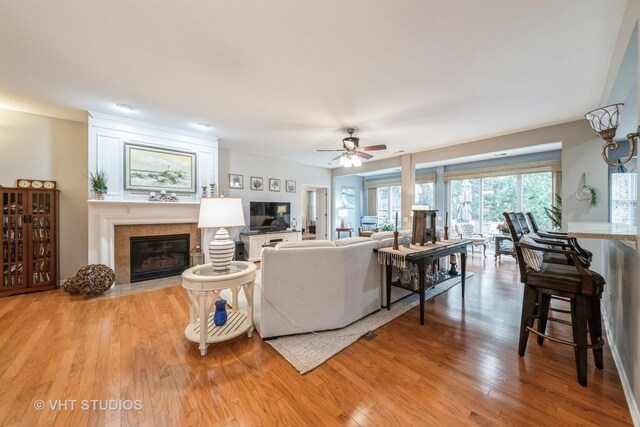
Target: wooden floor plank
460, 368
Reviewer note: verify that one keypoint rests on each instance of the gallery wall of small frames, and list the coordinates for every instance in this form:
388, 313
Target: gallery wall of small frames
257, 183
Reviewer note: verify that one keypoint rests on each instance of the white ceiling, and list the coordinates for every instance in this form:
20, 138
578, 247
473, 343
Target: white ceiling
282, 78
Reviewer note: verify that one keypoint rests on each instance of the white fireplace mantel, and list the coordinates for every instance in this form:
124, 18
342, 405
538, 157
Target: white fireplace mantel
104, 215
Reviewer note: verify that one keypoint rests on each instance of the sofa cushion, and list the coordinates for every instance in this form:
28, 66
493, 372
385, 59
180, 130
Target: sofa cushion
382, 235
351, 241
305, 244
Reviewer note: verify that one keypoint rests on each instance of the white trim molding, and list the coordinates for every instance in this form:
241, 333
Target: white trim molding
622, 373
104, 215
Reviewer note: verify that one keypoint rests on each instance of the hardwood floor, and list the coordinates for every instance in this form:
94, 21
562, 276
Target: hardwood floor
460, 368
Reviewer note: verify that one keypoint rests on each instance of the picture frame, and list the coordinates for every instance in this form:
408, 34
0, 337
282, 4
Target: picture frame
236, 182
256, 183
150, 168
290, 186
274, 184
348, 199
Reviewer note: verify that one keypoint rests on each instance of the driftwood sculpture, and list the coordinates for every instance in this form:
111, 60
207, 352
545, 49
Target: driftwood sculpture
90, 281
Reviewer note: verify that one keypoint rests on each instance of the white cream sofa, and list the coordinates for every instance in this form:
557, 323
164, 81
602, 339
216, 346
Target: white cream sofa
317, 285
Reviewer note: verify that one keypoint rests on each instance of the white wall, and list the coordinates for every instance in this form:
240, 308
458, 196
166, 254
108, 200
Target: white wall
108, 136
621, 300
39, 147
248, 165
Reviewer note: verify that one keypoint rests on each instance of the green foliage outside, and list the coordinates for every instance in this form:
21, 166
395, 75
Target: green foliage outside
499, 195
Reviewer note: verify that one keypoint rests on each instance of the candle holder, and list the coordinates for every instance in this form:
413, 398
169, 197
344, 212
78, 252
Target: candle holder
204, 192
395, 240
213, 190
454, 262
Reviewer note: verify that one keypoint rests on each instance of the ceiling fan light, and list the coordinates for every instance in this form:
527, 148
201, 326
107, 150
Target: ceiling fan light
344, 160
356, 161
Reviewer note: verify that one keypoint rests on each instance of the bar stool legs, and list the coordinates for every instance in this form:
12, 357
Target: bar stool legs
585, 311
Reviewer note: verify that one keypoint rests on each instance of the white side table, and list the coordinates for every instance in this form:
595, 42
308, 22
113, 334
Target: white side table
200, 281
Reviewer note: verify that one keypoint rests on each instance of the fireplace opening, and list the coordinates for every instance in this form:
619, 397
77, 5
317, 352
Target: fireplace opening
153, 257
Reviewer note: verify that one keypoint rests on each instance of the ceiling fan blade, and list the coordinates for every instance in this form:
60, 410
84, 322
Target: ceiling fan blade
337, 157
365, 156
331, 150
374, 147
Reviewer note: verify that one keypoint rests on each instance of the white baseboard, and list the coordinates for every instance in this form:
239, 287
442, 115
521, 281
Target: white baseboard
626, 387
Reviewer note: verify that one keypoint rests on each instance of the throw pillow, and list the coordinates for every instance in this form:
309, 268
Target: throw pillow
368, 227
532, 257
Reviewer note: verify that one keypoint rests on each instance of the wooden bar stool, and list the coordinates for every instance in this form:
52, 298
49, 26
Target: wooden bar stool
579, 285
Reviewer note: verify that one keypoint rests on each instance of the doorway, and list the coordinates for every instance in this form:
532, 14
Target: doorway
315, 217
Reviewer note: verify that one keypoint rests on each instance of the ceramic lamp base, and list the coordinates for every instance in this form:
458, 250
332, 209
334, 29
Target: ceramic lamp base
221, 250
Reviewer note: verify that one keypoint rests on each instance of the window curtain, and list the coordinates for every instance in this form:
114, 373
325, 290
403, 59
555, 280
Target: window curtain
372, 202
512, 169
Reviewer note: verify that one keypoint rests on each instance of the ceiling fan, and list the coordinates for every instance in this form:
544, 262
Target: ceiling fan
352, 153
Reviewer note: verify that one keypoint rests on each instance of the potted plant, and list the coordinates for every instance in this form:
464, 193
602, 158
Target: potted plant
98, 183
503, 228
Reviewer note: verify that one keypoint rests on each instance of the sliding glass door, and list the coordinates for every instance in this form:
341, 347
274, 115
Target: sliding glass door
482, 201
499, 194
389, 203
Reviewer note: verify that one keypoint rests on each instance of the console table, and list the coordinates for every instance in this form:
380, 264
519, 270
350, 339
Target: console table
202, 280
344, 230
422, 256
254, 242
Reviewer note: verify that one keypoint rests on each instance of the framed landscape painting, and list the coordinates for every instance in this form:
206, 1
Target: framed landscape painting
148, 168
236, 181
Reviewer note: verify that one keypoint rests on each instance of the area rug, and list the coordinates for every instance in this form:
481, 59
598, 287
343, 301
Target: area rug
306, 352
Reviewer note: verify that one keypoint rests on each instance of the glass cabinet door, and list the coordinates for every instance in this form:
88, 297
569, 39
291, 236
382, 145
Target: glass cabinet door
13, 240
42, 229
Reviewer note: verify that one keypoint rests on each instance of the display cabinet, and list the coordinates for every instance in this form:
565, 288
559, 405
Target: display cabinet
29, 240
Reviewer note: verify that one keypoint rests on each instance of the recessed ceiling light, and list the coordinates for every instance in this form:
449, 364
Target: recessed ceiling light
400, 151
500, 154
203, 125
125, 107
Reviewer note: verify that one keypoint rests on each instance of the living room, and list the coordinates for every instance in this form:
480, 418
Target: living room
255, 104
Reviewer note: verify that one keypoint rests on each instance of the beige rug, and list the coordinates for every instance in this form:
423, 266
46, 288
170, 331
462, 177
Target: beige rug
308, 351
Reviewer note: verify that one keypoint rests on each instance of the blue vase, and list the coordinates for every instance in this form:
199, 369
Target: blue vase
220, 316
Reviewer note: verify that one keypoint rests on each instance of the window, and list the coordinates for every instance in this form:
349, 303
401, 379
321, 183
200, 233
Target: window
498, 196
423, 194
465, 202
624, 194
482, 201
389, 203
536, 196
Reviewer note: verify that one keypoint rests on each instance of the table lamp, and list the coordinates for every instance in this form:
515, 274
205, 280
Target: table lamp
343, 214
220, 212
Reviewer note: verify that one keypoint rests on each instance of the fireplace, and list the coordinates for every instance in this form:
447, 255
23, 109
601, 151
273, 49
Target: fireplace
153, 257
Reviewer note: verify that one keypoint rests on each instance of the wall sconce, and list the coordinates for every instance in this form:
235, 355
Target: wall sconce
605, 122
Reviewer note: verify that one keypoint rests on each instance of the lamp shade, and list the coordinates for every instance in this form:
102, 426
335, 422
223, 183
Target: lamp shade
343, 213
605, 118
220, 212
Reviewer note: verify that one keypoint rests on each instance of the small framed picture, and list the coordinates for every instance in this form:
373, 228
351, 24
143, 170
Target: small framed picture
236, 182
274, 184
290, 186
256, 183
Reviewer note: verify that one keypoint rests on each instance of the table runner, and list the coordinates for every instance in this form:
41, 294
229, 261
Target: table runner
396, 258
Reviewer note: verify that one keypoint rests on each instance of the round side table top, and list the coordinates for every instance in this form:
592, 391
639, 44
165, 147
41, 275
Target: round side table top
206, 273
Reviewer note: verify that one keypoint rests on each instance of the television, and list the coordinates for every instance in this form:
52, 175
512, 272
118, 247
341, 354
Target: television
269, 216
